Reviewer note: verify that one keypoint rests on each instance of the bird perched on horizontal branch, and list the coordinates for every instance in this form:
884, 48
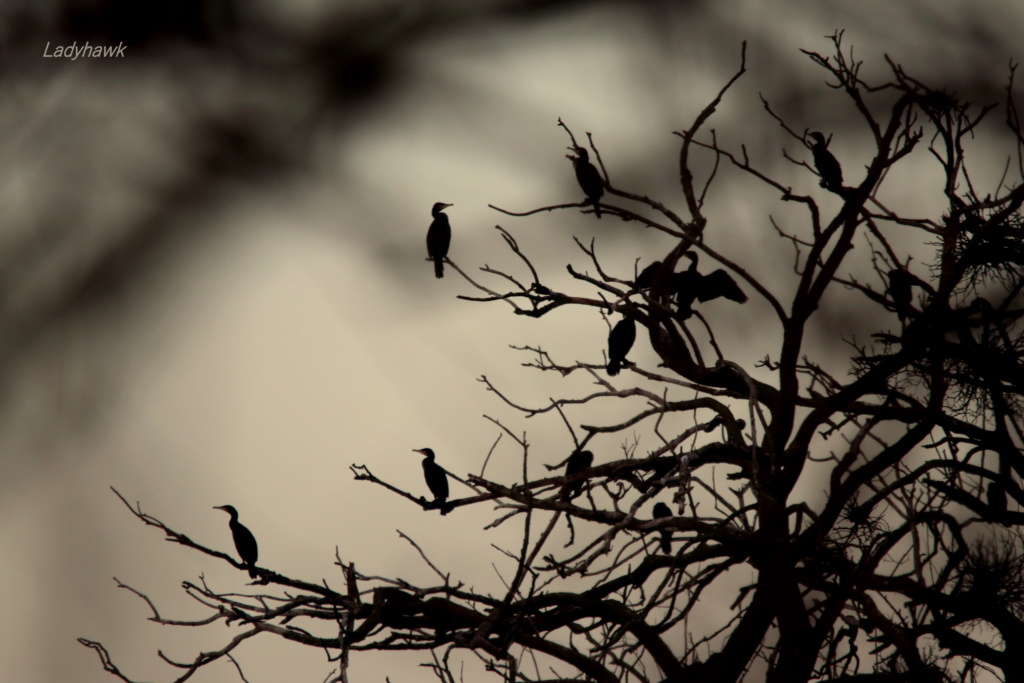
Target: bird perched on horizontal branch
439, 237
578, 461
436, 478
245, 542
588, 178
620, 341
660, 511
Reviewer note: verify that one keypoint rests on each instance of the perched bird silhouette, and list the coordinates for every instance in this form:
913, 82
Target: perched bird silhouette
436, 478
827, 165
661, 510
620, 341
900, 284
245, 542
578, 461
646, 277
439, 237
690, 285
588, 178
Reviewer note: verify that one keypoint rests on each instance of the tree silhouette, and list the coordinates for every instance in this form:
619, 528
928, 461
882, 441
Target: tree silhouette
909, 568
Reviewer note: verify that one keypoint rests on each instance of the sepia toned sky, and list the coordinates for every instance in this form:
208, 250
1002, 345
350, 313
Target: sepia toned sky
284, 325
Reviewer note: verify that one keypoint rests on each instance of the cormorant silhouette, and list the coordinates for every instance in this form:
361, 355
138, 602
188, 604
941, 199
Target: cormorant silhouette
900, 284
588, 178
661, 510
439, 237
827, 165
245, 542
685, 285
578, 461
690, 285
646, 277
620, 341
996, 497
436, 478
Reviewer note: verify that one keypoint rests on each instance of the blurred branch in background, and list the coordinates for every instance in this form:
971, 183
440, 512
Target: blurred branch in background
113, 163
110, 161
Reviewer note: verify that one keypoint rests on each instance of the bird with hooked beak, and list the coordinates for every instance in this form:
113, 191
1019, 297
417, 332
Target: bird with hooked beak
439, 237
436, 478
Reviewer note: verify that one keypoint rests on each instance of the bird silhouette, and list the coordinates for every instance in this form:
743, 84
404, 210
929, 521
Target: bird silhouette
439, 237
660, 511
588, 178
646, 277
245, 542
578, 461
690, 285
620, 341
996, 497
900, 284
827, 165
436, 478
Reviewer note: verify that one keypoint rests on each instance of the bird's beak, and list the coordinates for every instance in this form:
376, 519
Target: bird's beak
419, 450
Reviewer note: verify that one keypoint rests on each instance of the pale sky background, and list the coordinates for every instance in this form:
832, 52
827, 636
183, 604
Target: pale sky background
290, 326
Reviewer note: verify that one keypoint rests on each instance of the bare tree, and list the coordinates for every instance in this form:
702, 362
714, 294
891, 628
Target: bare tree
908, 569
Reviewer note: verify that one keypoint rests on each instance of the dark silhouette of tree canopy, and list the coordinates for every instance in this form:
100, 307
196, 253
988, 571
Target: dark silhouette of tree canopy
909, 568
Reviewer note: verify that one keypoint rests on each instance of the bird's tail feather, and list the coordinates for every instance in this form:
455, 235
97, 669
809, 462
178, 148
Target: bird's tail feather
666, 542
438, 267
